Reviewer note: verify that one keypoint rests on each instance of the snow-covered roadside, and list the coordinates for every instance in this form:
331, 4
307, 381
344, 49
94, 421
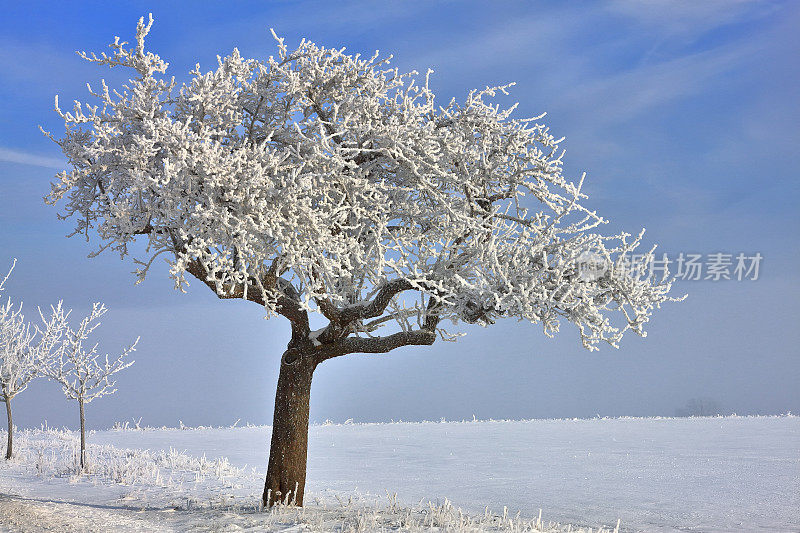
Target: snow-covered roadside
18, 514
23, 515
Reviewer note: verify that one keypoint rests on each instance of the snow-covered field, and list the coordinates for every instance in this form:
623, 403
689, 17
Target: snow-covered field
697, 474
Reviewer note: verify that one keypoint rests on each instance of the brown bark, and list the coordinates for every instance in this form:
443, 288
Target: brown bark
9, 444
83, 437
288, 453
286, 473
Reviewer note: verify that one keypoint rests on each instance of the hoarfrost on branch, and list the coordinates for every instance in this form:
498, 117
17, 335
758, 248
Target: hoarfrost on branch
83, 373
321, 181
24, 350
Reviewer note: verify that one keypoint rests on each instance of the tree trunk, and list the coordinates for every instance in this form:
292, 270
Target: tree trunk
83, 437
9, 445
286, 473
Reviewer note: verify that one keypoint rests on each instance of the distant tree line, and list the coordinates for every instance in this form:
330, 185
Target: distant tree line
703, 406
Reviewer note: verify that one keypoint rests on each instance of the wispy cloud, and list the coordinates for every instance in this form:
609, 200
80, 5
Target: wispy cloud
34, 64
8, 155
559, 55
633, 92
519, 44
689, 17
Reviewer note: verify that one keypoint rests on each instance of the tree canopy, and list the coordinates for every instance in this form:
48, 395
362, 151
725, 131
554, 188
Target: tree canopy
320, 181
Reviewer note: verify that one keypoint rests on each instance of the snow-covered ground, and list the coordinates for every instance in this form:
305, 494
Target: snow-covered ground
696, 474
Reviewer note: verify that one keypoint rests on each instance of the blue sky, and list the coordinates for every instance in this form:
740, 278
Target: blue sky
683, 114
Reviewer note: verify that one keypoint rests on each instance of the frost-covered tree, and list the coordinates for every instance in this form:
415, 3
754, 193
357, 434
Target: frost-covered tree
317, 181
19, 363
84, 375
23, 354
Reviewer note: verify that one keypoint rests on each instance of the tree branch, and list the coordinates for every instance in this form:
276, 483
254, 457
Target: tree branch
422, 337
378, 304
288, 304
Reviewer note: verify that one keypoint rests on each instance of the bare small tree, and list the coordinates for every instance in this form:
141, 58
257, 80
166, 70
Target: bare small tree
83, 373
17, 359
23, 353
